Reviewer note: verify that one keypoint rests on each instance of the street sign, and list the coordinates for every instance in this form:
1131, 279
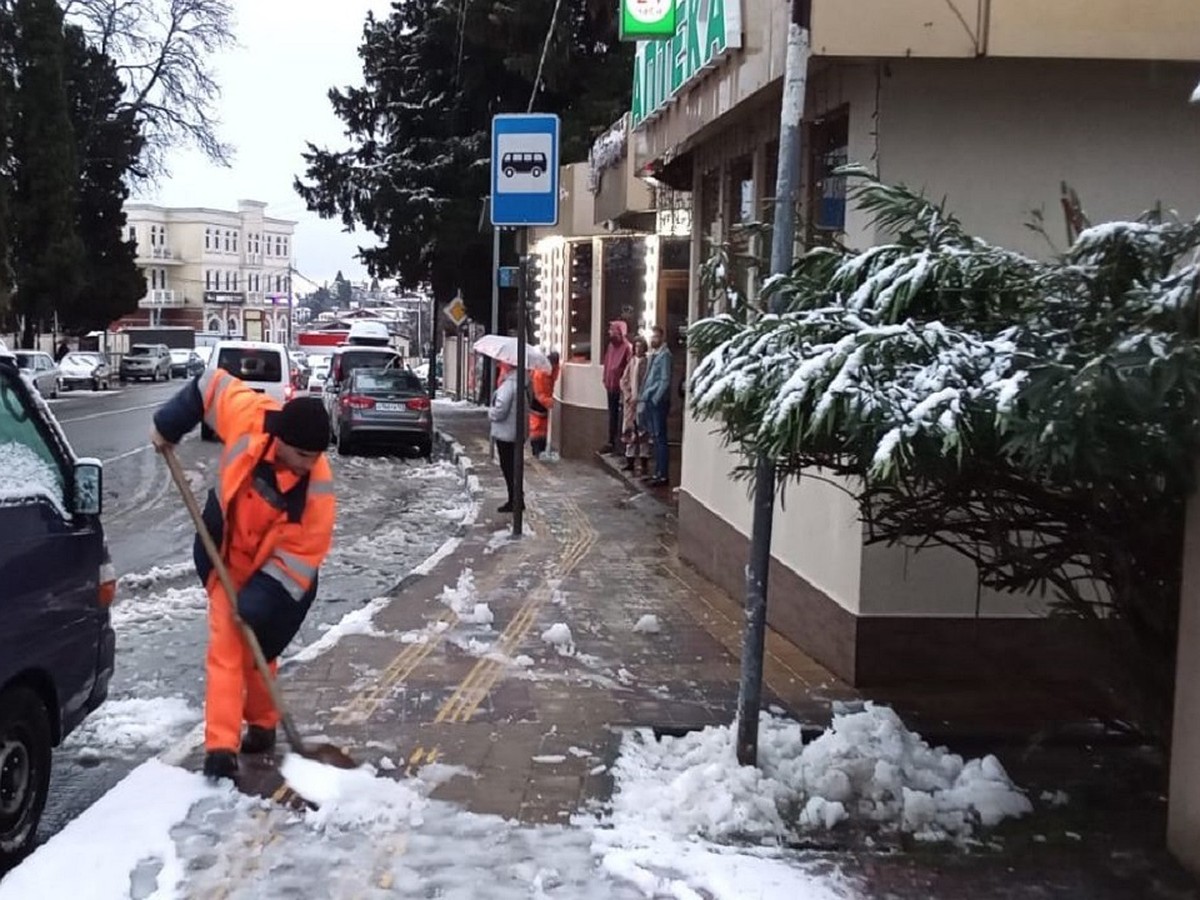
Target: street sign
524, 170
652, 20
508, 276
456, 311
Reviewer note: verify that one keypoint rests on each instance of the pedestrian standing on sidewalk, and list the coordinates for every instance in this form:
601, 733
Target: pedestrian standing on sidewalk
616, 357
635, 434
272, 514
656, 403
503, 416
541, 402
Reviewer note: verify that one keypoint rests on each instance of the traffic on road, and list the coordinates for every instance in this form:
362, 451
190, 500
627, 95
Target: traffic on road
90, 517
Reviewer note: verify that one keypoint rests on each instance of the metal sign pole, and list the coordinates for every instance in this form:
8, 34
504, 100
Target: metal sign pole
522, 418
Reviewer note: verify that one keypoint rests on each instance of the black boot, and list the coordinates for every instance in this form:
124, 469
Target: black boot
259, 740
506, 508
220, 764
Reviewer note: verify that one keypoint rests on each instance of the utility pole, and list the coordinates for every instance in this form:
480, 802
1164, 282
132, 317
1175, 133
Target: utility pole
782, 248
486, 395
522, 418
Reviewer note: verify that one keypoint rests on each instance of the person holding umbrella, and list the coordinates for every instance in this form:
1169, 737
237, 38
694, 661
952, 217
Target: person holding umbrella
503, 416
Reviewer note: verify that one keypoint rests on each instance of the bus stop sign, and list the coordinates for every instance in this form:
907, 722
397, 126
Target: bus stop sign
525, 170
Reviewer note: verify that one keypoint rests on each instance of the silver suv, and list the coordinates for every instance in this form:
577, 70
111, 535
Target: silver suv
149, 361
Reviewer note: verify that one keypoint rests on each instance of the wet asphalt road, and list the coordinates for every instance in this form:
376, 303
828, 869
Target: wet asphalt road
393, 513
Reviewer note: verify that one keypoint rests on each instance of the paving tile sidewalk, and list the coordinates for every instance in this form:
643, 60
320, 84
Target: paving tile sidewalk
536, 724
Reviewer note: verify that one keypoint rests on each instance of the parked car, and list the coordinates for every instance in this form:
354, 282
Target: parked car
149, 361
84, 369
264, 367
186, 364
347, 359
40, 370
383, 407
56, 640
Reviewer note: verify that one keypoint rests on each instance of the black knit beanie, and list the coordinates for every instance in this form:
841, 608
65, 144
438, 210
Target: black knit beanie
302, 423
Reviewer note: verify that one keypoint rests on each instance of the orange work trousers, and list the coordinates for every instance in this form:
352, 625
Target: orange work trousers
234, 691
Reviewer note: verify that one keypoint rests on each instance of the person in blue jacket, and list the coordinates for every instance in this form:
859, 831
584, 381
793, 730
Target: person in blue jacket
656, 403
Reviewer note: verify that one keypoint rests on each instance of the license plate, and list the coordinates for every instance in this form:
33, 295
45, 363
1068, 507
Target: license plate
389, 407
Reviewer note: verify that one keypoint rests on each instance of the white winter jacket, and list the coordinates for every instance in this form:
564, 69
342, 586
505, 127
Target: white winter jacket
503, 412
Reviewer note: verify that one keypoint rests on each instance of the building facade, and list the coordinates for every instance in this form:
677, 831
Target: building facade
994, 105
221, 272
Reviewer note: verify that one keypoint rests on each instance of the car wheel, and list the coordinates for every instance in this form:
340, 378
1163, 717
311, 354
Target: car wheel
344, 447
425, 450
96, 384
206, 433
55, 390
24, 770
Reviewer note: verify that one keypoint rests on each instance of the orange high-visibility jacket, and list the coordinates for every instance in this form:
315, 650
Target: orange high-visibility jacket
274, 528
542, 387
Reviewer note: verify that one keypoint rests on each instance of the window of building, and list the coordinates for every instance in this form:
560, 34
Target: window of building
579, 306
268, 249
208, 279
829, 149
237, 281
624, 281
235, 242
741, 212
278, 245
675, 254
207, 238
132, 235
228, 281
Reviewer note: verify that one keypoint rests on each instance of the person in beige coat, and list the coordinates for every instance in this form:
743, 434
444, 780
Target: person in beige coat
634, 432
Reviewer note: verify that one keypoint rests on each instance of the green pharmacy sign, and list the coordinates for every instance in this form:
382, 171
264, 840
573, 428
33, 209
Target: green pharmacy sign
705, 31
647, 20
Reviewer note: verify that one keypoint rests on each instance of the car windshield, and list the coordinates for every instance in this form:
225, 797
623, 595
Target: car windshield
81, 359
392, 380
24, 361
252, 364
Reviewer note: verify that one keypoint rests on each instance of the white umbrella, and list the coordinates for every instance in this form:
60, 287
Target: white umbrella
504, 349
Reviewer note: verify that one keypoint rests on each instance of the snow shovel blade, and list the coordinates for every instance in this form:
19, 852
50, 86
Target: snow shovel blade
327, 755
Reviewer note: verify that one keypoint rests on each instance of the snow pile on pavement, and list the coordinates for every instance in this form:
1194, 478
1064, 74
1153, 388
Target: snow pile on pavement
174, 604
560, 638
139, 581
352, 799
120, 847
648, 625
133, 726
867, 768
359, 621
463, 598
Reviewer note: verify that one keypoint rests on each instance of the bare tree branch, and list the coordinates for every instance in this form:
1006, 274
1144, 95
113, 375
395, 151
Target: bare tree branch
164, 50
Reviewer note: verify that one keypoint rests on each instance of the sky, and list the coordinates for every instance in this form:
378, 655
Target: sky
289, 53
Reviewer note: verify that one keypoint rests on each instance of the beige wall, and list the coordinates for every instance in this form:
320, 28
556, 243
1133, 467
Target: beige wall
816, 532
1062, 29
1183, 822
997, 137
1095, 29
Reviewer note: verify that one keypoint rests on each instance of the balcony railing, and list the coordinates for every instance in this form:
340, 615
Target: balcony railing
161, 300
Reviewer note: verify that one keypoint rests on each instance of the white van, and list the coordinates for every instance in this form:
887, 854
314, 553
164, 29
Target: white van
267, 368
369, 334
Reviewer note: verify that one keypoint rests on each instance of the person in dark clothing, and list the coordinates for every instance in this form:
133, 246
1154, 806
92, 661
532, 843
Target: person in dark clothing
616, 357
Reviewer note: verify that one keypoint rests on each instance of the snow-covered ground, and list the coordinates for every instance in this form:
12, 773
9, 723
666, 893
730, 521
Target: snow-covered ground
686, 821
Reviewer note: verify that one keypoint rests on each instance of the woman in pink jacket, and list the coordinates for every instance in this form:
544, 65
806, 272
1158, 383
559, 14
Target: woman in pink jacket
616, 357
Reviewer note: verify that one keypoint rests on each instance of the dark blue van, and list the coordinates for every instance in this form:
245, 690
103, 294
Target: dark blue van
56, 584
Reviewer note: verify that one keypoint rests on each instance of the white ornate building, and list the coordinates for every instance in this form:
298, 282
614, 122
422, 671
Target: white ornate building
214, 270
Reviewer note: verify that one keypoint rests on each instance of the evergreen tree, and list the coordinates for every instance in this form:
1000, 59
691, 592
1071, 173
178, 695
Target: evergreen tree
108, 144
1037, 417
6, 169
47, 251
343, 290
417, 173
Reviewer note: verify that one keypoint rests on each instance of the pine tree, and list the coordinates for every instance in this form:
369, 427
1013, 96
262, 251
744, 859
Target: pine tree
417, 175
108, 144
6, 169
1037, 417
47, 251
